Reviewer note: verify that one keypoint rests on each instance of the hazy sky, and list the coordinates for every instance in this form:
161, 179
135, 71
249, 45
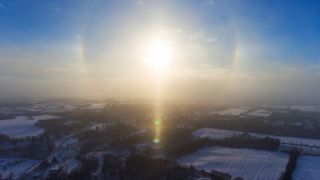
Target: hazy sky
223, 51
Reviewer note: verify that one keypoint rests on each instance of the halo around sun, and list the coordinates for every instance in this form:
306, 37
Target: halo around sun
159, 54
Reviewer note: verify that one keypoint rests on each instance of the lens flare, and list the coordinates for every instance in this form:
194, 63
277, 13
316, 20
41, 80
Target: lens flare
156, 140
157, 128
157, 122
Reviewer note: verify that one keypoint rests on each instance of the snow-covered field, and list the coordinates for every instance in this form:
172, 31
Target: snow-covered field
96, 106
61, 106
14, 167
265, 110
232, 111
4, 110
291, 140
22, 126
260, 113
213, 133
246, 163
221, 134
306, 108
308, 167
97, 126
51, 107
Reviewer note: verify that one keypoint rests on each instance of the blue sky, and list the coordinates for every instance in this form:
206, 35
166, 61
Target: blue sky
291, 25
272, 41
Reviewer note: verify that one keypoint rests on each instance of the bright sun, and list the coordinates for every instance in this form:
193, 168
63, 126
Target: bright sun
159, 54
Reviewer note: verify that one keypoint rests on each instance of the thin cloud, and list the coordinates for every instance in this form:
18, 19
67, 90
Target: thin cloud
140, 2
211, 39
209, 2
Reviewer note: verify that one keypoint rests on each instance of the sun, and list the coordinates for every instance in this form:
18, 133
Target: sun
159, 54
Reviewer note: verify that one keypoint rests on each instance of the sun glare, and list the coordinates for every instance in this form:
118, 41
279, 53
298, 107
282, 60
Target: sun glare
159, 55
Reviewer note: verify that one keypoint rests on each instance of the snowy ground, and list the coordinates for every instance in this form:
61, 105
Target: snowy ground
260, 113
232, 111
306, 108
66, 153
14, 167
97, 126
213, 133
96, 106
4, 110
22, 126
308, 167
246, 163
60, 106
51, 107
221, 134
265, 112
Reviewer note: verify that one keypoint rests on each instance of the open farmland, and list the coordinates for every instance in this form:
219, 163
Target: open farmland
22, 126
249, 164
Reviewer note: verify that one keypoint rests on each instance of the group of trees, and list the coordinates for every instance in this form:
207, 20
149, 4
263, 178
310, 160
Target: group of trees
54, 127
115, 135
291, 166
264, 125
4, 138
34, 147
